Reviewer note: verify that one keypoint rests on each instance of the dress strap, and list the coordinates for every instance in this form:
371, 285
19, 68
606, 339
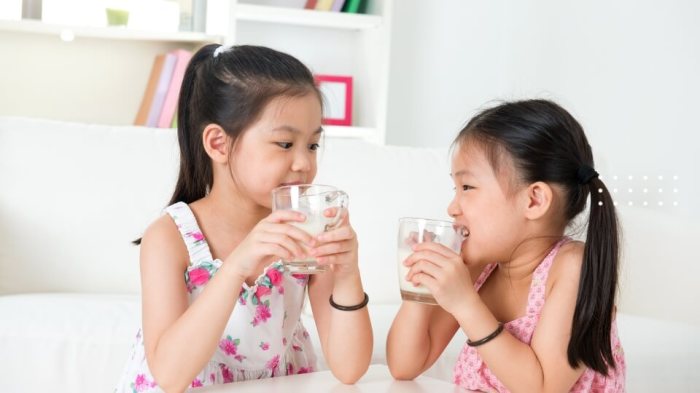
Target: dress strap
484, 275
186, 222
535, 300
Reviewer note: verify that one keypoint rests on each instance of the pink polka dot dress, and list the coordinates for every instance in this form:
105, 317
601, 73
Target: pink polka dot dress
264, 336
471, 372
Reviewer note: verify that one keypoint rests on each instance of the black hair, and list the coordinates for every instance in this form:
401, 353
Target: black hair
228, 86
547, 144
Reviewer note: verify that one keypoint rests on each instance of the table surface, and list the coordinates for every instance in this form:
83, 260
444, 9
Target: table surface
376, 380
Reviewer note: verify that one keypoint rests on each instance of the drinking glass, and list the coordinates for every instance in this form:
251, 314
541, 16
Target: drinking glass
418, 230
312, 200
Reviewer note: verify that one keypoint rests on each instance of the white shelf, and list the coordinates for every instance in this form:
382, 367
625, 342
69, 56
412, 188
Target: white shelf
38, 27
303, 17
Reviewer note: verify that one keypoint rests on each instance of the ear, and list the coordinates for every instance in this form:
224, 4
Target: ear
216, 143
538, 200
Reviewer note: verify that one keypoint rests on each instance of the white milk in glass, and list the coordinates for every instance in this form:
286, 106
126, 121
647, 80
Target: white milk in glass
314, 225
407, 287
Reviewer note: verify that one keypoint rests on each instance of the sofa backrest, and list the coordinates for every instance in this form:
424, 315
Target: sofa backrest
73, 196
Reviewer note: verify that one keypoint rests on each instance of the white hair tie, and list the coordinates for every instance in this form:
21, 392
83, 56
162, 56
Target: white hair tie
220, 49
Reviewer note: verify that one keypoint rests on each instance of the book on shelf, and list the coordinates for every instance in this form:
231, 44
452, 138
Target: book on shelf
310, 5
355, 6
337, 5
166, 75
182, 58
324, 5
159, 103
147, 100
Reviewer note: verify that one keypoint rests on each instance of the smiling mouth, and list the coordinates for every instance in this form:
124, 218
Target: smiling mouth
462, 231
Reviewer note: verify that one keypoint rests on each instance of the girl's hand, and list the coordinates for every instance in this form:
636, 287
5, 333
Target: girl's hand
443, 272
272, 238
337, 247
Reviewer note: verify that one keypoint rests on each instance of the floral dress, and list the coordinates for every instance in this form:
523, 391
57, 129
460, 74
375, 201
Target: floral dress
264, 336
471, 372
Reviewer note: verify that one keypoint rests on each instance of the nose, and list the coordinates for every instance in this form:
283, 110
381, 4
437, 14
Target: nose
453, 208
303, 161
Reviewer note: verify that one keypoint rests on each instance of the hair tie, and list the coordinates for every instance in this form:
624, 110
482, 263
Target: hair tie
220, 49
585, 174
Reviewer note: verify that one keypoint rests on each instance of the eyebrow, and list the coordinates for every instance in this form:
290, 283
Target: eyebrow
294, 130
461, 173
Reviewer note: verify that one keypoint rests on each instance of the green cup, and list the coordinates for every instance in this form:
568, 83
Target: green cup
117, 17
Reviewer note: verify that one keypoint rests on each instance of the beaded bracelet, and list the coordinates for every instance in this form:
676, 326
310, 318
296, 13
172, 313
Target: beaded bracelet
488, 338
349, 308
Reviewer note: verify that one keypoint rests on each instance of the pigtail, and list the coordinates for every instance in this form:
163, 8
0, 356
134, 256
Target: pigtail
195, 174
595, 302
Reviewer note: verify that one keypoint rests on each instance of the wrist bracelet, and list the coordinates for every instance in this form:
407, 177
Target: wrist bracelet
349, 308
488, 338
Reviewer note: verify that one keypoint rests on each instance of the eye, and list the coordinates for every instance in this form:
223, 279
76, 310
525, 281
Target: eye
466, 187
314, 146
284, 145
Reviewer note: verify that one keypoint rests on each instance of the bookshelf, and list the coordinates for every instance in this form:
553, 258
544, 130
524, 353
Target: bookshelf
98, 74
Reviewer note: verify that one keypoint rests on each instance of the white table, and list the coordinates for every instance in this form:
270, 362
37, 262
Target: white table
376, 380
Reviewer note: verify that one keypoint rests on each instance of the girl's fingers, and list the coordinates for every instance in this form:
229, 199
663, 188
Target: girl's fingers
279, 216
284, 241
427, 255
344, 218
331, 248
425, 267
290, 231
336, 235
434, 247
426, 281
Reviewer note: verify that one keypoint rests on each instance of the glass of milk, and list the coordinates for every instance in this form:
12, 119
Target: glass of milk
419, 230
312, 200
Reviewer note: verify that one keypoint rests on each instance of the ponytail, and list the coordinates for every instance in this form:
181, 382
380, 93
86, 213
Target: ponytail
195, 175
595, 303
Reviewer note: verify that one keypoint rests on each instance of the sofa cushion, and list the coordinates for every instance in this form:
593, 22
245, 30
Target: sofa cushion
73, 197
65, 342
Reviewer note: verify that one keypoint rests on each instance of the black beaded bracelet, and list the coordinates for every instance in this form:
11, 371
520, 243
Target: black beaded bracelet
488, 338
349, 308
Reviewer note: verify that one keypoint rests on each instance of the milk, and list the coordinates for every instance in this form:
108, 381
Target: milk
314, 225
407, 286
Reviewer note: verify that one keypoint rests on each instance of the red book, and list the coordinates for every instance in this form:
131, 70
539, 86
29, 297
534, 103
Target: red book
310, 5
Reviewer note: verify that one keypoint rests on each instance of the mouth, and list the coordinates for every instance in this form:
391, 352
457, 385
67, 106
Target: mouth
462, 231
292, 183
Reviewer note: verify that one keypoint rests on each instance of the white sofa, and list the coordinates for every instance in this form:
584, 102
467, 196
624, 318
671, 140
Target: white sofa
73, 196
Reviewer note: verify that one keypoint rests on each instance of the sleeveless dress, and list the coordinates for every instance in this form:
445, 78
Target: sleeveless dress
471, 372
264, 336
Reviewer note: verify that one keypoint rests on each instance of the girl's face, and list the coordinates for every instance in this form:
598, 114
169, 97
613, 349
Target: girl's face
485, 204
278, 149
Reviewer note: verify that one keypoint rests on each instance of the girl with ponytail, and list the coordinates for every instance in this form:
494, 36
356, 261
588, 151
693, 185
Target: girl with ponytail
218, 305
538, 308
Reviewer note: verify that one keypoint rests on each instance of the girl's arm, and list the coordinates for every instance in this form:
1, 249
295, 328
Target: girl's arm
541, 366
179, 340
346, 336
417, 338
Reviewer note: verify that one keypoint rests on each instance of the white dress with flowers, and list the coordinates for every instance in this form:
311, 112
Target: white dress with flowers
264, 336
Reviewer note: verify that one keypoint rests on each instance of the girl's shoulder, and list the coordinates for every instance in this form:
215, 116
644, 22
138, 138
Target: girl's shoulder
162, 241
566, 266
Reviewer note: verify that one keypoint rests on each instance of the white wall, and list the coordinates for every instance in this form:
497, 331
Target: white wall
628, 70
